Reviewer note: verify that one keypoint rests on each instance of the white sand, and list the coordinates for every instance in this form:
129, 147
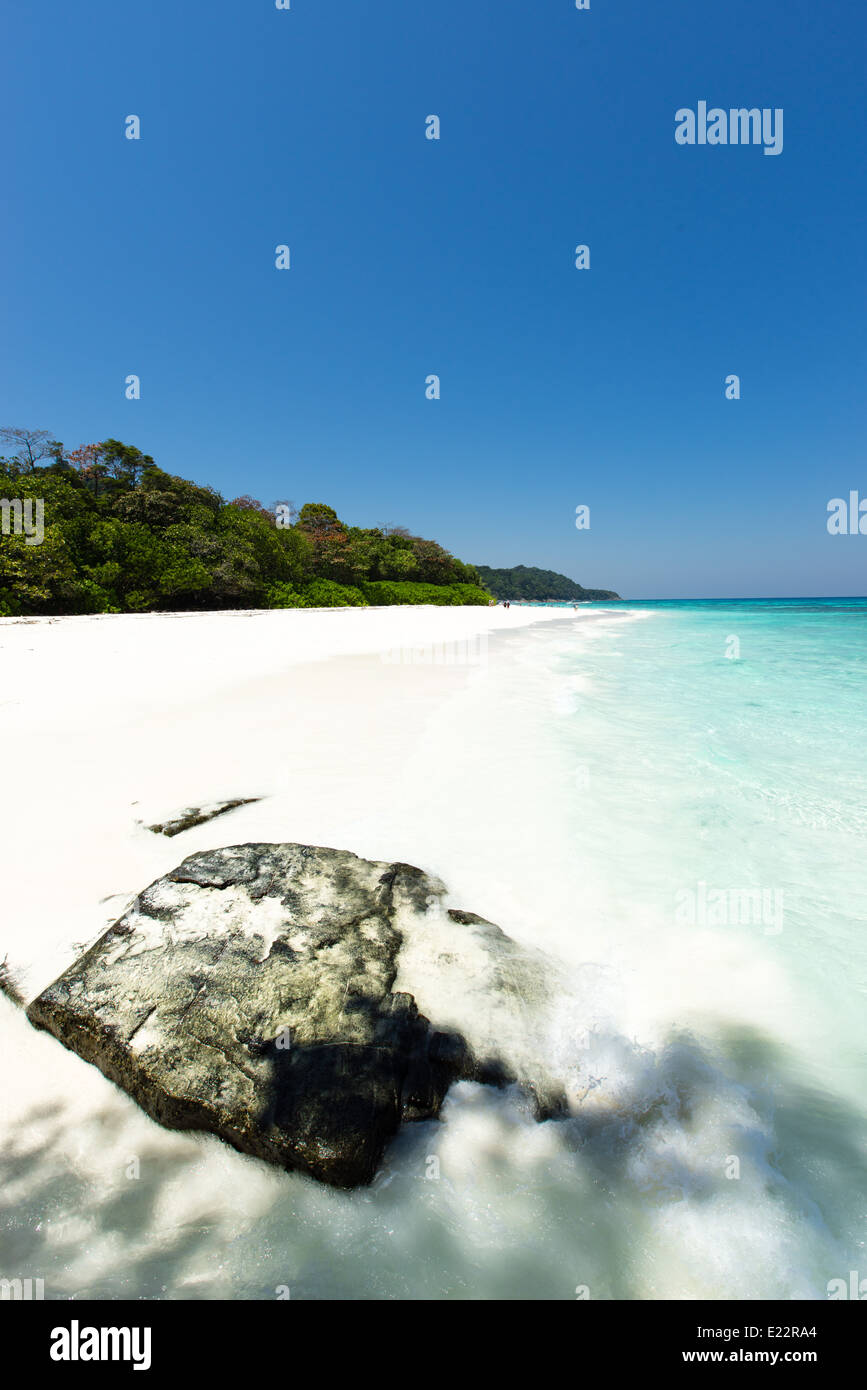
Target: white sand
112, 723
476, 773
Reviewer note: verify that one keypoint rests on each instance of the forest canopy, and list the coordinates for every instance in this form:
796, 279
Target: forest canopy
120, 535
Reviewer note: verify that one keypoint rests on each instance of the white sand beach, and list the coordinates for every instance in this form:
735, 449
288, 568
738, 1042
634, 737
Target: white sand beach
494, 749
358, 729
113, 723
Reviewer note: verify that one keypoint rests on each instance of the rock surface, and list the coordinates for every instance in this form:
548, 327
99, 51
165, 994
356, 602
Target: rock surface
200, 815
8, 983
251, 993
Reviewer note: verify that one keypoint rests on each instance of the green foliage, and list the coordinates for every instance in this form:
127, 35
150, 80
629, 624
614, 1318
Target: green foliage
123, 536
524, 582
324, 593
283, 596
385, 593
316, 516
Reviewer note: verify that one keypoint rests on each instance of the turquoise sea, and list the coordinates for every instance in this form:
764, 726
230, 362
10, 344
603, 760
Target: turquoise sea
670, 800
715, 834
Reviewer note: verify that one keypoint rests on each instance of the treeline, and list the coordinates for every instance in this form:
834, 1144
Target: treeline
120, 536
525, 582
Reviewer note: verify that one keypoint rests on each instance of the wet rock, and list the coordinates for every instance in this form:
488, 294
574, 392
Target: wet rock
200, 815
8, 983
257, 992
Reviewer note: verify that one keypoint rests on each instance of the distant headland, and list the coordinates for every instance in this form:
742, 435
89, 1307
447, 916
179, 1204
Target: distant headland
526, 582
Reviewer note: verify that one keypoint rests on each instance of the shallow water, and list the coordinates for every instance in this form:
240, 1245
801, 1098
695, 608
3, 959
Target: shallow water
579, 790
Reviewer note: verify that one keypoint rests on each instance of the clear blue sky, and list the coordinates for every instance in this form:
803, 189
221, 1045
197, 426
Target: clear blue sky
411, 257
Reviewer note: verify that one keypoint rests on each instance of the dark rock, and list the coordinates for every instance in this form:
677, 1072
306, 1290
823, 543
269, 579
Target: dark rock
253, 993
200, 815
9, 985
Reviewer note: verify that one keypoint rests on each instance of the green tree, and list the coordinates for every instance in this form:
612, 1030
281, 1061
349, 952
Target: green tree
30, 446
123, 535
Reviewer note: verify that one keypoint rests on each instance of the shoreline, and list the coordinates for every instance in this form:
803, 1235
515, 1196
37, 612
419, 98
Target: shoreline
204, 651
118, 722
521, 781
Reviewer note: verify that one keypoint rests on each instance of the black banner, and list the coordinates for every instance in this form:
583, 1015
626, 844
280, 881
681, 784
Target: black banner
63, 1339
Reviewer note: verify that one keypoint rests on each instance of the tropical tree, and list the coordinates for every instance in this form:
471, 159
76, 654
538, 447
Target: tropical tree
31, 446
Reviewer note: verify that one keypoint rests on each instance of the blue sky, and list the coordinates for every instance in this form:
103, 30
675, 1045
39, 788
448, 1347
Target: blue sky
410, 257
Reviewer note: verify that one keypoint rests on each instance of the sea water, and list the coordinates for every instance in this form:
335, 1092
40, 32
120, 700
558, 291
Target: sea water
670, 801
716, 833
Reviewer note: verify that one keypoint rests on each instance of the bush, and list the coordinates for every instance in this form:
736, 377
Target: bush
324, 593
386, 592
470, 594
283, 596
